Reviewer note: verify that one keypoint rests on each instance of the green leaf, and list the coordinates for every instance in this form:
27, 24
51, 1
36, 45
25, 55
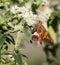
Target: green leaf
1, 35
7, 53
37, 2
34, 7
26, 0
18, 58
6, 1
58, 13
1, 20
25, 63
2, 39
10, 39
52, 18
15, 21
52, 33
9, 63
4, 27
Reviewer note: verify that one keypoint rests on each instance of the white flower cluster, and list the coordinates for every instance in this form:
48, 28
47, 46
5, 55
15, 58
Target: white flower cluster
14, 9
25, 13
43, 14
28, 15
44, 11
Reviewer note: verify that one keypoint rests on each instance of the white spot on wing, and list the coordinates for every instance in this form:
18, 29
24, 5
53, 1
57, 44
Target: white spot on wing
35, 33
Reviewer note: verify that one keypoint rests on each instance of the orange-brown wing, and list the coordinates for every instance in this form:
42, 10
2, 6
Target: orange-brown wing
47, 38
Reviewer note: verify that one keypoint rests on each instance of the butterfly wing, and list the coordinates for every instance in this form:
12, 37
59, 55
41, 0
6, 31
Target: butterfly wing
47, 38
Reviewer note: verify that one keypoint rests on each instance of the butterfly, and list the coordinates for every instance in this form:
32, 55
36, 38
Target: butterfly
39, 34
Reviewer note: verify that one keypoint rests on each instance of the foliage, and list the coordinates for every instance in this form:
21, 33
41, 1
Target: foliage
16, 20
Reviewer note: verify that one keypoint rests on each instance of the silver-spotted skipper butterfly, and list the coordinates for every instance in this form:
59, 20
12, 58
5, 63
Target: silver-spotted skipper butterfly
40, 34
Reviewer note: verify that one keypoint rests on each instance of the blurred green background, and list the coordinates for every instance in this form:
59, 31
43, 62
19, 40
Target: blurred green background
19, 44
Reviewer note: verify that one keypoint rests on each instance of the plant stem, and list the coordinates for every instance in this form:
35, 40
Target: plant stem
0, 55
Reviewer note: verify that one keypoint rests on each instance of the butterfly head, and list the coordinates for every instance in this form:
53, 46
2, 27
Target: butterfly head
35, 36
